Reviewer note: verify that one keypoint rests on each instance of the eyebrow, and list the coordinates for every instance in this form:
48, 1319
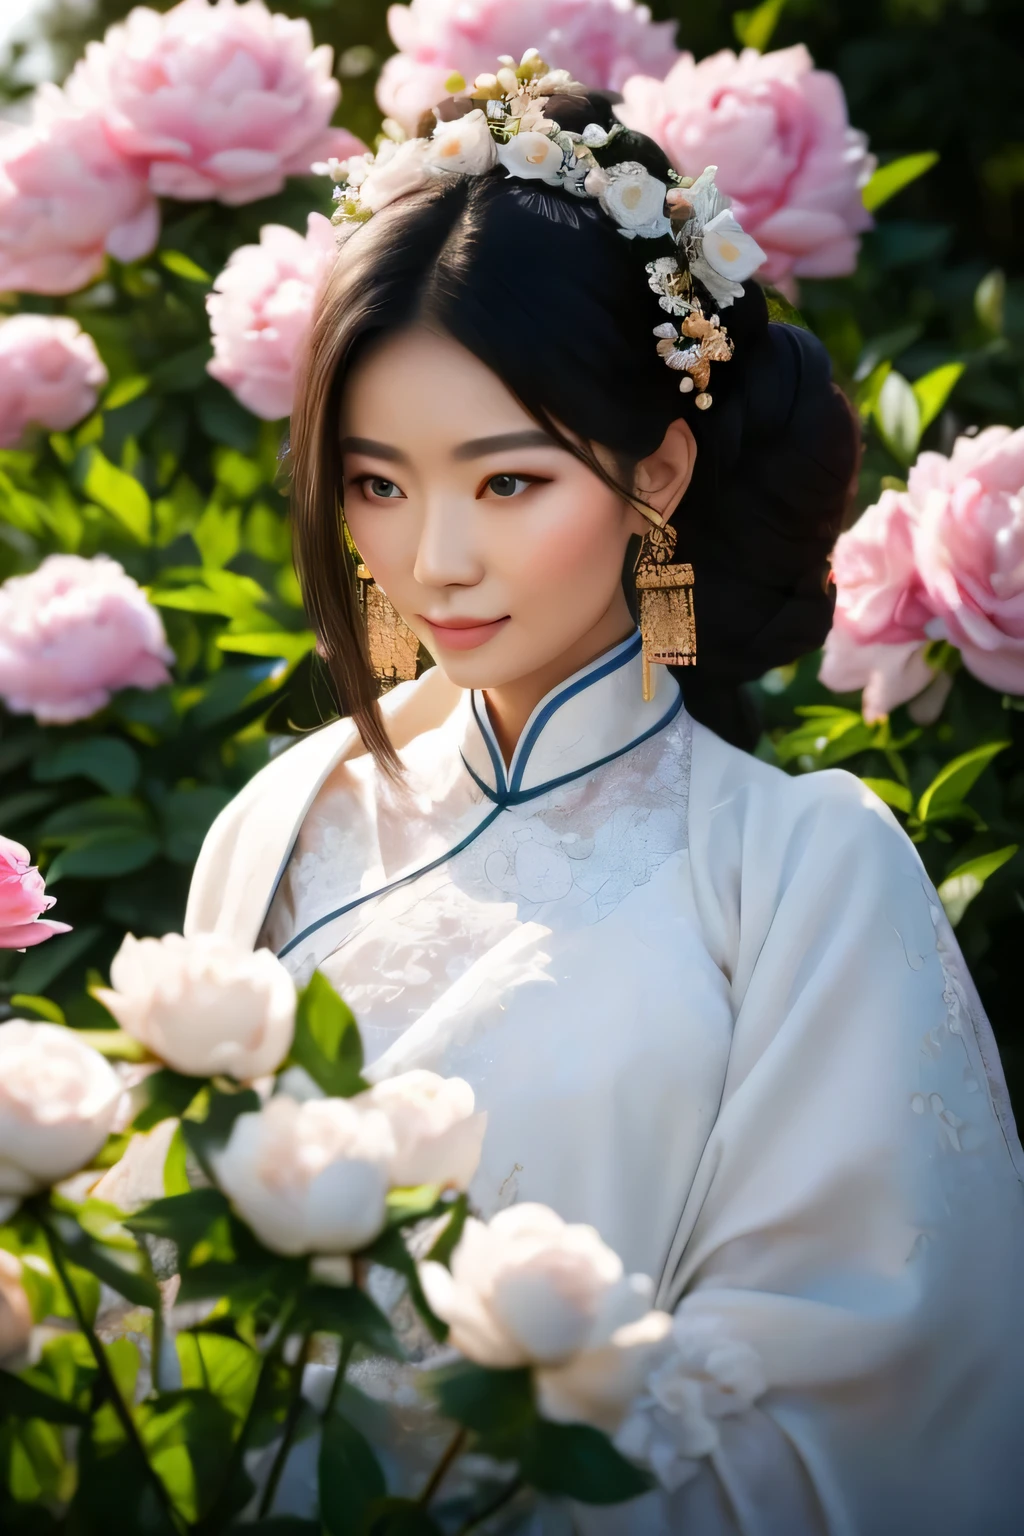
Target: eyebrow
533, 437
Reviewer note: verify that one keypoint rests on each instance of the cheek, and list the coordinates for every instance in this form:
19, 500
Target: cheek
579, 541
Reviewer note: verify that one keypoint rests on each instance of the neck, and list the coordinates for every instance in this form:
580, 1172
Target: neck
510, 705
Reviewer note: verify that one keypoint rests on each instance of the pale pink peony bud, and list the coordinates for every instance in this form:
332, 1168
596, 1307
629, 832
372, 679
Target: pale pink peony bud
218, 101
50, 375
600, 42
23, 900
777, 129
67, 199
72, 633
260, 313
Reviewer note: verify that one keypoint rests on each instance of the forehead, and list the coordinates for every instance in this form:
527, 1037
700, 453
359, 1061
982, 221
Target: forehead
419, 387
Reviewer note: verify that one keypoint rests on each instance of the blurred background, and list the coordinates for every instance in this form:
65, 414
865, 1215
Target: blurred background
174, 474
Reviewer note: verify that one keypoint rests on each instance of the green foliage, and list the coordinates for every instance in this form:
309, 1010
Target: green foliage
327, 1043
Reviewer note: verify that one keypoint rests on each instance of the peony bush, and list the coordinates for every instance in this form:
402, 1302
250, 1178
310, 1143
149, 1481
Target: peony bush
778, 131
602, 42
239, 1225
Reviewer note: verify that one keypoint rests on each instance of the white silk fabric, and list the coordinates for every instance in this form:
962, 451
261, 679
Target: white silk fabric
718, 1013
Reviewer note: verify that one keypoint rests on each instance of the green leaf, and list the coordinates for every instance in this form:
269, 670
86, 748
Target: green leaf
128, 1274
115, 1044
237, 472
754, 28
497, 1405
892, 178
898, 417
183, 266
965, 882
349, 1476
933, 390
894, 794
346, 1310
41, 967
990, 301
162, 1095
218, 535
185, 1219
120, 493
870, 388
188, 1435
327, 1042
222, 1365
21, 1400
41, 1006
413, 1203
176, 1165
187, 815
102, 813
575, 1461
119, 851
444, 1245
953, 782
207, 1136
125, 391
286, 644
106, 760
184, 371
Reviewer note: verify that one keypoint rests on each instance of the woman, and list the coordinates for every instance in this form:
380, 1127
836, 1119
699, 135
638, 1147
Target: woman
713, 1010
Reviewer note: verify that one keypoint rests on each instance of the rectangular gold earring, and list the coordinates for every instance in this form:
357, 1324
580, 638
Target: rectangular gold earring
393, 648
665, 591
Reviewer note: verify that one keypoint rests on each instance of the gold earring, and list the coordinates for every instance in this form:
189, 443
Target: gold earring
665, 592
393, 648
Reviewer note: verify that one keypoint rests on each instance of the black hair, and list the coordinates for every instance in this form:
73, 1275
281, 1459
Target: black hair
543, 289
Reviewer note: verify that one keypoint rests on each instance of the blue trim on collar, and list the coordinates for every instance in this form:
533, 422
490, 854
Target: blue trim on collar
486, 731
620, 657
395, 885
520, 797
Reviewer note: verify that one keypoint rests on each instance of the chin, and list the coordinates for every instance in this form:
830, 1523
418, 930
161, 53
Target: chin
489, 666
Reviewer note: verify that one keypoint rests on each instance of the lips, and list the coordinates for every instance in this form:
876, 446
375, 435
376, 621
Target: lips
464, 634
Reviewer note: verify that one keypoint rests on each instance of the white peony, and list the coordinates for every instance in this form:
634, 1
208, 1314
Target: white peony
309, 1178
58, 1100
634, 198
203, 1005
396, 170
528, 1289
463, 145
15, 1311
438, 1138
532, 157
706, 1376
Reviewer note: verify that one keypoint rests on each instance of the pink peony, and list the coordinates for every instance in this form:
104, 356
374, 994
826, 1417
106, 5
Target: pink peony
23, 900
50, 373
67, 198
72, 633
969, 542
778, 132
888, 675
219, 101
601, 42
260, 312
880, 595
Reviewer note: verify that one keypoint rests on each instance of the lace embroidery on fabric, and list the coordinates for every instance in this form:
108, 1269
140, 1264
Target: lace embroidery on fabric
966, 1019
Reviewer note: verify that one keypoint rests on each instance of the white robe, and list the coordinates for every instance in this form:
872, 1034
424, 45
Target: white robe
715, 1011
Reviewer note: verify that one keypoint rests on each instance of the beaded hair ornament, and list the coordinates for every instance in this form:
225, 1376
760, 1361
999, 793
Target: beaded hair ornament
507, 126
504, 123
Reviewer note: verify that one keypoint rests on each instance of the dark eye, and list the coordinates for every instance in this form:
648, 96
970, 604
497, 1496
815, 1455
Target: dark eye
385, 489
507, 485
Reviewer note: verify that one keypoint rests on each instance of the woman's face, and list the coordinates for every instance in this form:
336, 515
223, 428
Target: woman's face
501, 550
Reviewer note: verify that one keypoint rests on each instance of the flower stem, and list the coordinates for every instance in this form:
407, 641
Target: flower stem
106, 1375
223, 1510
344, 1356
291, 1423
440, 1472
504, 1497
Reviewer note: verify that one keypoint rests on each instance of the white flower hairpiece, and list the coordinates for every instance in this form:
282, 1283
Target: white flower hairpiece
506, 126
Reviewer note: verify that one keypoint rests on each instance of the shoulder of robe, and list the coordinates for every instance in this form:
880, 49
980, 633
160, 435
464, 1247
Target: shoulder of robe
242, 852
756, 831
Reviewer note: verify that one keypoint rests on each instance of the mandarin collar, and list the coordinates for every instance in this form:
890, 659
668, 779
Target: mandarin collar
592, 717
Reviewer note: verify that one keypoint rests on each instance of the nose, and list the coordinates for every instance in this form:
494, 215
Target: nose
446, 555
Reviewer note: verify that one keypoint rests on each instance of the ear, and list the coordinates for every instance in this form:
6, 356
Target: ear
661, 479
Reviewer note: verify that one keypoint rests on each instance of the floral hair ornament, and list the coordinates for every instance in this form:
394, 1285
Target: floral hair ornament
713, 250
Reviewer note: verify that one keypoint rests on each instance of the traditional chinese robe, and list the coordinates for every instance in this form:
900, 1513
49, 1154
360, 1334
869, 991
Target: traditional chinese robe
715, 1011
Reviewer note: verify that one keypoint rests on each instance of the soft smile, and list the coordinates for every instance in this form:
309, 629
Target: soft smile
464, 634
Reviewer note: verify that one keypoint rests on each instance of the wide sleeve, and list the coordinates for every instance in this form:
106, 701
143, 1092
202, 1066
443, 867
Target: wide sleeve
857, 1217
